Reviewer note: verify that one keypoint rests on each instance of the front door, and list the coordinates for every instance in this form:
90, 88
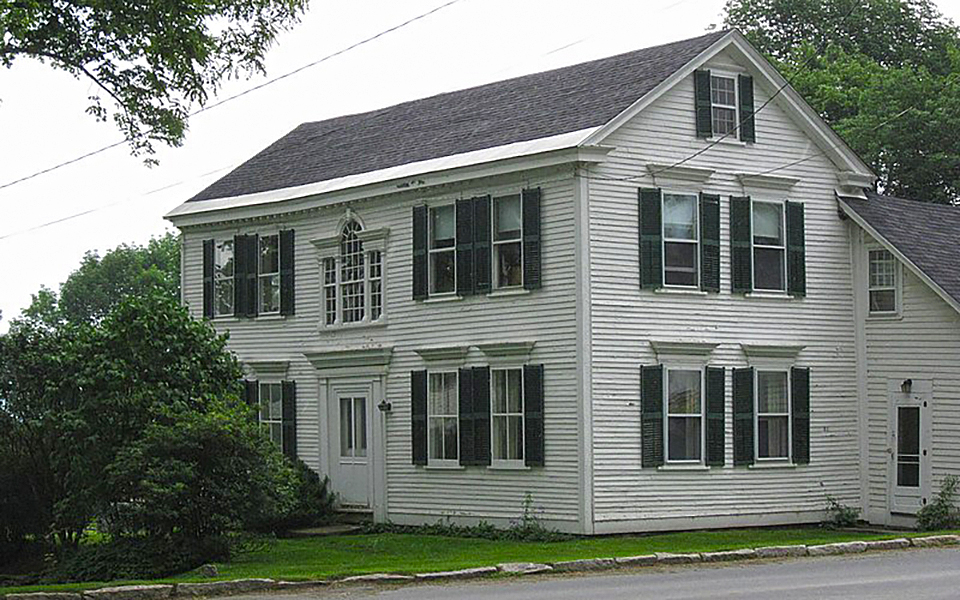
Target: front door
350, 445
909, 446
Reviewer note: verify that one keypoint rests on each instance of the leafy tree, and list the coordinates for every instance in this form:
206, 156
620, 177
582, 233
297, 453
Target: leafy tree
101, 283
152, 59
887, 79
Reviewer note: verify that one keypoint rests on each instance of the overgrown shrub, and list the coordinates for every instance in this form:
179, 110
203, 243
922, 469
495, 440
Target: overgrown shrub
942, 513
311, 504
840, 515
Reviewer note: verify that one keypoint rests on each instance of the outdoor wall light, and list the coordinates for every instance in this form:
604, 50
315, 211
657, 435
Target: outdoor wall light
906, 385
385, 406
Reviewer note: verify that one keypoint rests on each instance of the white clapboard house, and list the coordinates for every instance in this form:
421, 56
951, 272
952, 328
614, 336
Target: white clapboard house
648, 292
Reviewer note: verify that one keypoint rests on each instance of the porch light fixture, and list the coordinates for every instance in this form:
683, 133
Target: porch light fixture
385, 406
906, 385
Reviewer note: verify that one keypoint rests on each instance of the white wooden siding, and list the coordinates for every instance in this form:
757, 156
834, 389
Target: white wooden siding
625, 319
923, 343
546, 316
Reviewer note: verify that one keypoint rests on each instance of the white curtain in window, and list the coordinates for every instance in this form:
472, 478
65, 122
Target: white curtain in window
680, 216
766, 221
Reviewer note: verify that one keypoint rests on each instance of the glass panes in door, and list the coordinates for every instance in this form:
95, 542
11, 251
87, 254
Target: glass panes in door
908, 446
353, 427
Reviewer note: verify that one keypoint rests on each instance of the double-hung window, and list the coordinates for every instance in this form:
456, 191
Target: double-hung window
443, 245
684, 423
883, 282
352, 279
271, 411
773, 415
507, 415
223, 278
508, 241
769, 246
681, 240
268, 273
723, 99
443, 417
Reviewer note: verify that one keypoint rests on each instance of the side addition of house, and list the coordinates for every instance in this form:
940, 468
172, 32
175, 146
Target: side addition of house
646, 292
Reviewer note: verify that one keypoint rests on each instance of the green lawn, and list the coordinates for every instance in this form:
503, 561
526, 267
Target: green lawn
334, 556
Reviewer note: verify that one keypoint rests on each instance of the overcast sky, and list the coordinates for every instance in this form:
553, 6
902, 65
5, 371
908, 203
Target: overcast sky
42, 119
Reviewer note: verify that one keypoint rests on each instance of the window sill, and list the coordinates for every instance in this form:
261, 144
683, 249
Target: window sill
508, 466
769, 295
884, 317
731, 139
442, 467
270, 317
682, 467
505, 292
381, 322
680, 290
772, 465
443, 298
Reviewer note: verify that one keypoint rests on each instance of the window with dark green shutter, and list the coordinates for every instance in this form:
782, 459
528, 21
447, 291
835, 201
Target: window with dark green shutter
710, 242
724, 105
287, 271
748, 129
741, 247
466, 277
743, 416
481, 244
533, 409
716, 409
246, 258
289, 418
704, 115
481, 416
800, 414
651, 415
420, 252
531, 239
651, 239
418, 416
796, 251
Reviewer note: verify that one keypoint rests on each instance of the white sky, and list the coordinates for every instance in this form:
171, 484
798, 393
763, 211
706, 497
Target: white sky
42, 119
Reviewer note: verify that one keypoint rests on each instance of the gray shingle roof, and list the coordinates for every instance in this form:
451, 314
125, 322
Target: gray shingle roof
927, 234
515, 110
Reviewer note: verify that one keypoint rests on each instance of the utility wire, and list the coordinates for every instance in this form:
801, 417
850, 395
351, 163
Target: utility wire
241, 94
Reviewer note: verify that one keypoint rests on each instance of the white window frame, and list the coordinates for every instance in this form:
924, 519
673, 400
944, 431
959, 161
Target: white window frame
667, 368
218, 279
664, 240
431, 251
374, 241
519, 463
266, 425
342, 283
496, 244
261, 275
788, 459
897, 284
783, 248
736, 104
444, 462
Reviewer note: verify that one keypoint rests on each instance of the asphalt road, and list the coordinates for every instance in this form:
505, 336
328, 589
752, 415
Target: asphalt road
911, 574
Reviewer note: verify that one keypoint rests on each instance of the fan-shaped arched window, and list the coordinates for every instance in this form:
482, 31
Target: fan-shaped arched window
352, 281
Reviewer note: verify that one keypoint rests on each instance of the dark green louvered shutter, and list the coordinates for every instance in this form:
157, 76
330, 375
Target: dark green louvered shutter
465, 274
289, 402
748, 128
418, 416
251, 396
800, 414
741, 265
239, 276
743, 416
465, 416
419, 252
481, 416
710, 242
651, 239
701, 91
208, 261
251, 255
287, 270
796, 251
481, 244
531, 239
533, 446
716, 407
651, 415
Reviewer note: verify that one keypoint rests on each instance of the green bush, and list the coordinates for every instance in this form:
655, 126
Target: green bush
942, 513
840, 515
311, 505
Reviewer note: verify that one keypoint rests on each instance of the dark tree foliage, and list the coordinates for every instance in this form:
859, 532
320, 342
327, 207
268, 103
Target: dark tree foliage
151, 59
886, 78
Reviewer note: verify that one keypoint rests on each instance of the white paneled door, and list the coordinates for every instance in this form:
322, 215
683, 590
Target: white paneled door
351, 459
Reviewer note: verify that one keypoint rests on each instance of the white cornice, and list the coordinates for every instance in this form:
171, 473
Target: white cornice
784, 351
767, 182
350, 360
682, 173
507, 349
682, 348
443, 353
268, 369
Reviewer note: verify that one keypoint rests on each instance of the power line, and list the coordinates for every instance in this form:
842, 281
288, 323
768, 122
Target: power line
241, 94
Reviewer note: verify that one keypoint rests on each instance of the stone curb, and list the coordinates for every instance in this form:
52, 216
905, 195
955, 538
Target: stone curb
237, 586
461, 574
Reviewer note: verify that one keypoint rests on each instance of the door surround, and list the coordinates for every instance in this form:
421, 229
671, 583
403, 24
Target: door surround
906, 500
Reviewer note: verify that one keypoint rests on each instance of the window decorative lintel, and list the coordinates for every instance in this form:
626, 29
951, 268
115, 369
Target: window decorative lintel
443, 353
268, 370
327, 246
374, 239
682, 173
682, 349
507, 349
346, 360
783, 351
767, 182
